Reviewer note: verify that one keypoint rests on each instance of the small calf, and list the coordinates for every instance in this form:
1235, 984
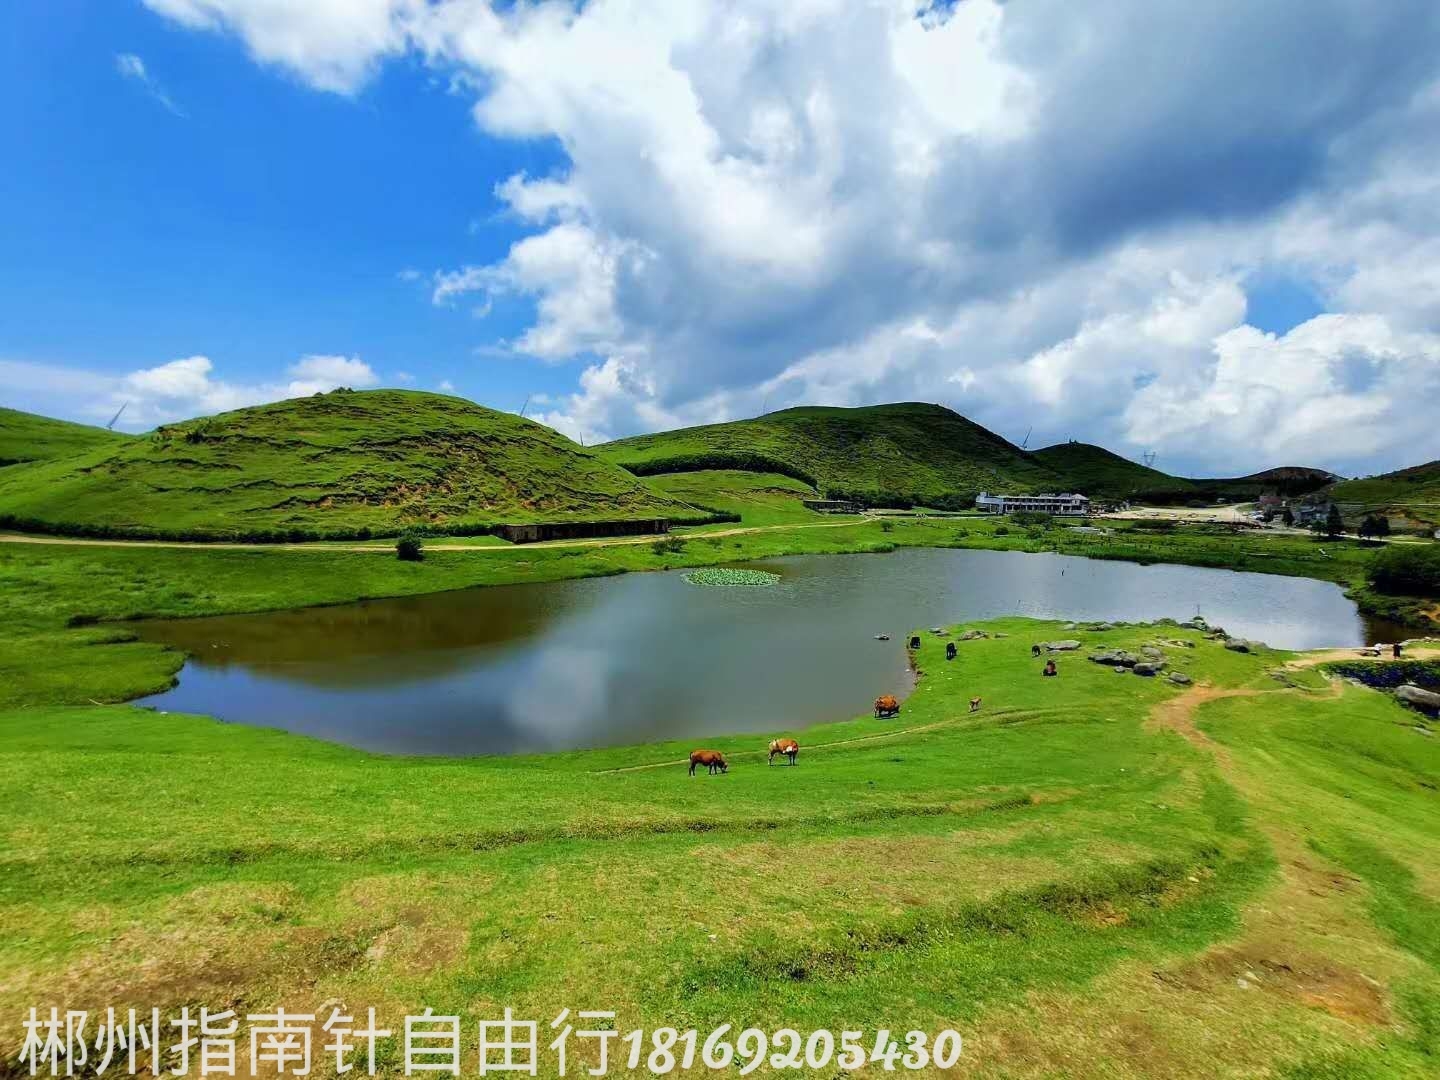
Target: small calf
974, 704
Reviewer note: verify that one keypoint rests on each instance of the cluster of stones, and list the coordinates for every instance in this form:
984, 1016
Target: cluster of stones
1150, 663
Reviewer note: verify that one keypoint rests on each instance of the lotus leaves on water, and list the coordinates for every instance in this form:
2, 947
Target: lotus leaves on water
722, 577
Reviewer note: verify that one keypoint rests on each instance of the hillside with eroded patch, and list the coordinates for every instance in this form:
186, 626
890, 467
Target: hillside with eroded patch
340, 463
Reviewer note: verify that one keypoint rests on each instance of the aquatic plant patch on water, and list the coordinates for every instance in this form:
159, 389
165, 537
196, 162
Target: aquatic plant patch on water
730, 578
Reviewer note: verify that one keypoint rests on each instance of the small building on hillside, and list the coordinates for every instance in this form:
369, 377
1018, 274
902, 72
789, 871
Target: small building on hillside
1058, 505
1308, 511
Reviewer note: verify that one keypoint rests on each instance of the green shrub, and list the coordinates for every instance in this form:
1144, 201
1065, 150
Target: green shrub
1410, 569
1031, 517
887, 526
1002, 530
668, 545
410, 547
717, 460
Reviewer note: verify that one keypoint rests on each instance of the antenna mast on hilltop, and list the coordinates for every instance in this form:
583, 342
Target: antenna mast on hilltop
111, 425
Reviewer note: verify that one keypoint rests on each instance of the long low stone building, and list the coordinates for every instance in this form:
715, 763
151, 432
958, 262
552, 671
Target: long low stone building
1059, 505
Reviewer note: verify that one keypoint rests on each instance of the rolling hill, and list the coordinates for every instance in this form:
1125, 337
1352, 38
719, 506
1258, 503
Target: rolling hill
1288, 480
337, 462
910, 449
27, 437
1409, 497
1101, 473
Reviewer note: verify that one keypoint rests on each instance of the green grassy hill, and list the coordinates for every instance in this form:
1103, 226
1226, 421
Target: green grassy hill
911, 449
27, 437
1100, 473
1288, 480
336, 462
1408, 496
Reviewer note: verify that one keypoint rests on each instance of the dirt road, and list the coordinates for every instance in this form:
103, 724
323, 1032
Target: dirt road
387, 549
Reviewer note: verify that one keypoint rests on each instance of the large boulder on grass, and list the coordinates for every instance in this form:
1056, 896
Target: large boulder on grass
1114, 658
1417, 697
1179, 678
1067, 645
1149, 667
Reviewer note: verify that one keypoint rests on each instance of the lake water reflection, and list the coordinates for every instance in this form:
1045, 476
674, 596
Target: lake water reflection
640, 657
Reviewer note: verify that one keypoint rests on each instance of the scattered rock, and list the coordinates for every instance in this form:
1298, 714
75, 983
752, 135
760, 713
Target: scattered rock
1114, 658
1236, 644
1000, 635
1368, 651
937, 630
1149, 667
1150, 652
1179, 678
973, 635
1066, 645
1418, 697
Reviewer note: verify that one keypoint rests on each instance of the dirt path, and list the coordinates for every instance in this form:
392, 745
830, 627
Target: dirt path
385, 549
1331, 656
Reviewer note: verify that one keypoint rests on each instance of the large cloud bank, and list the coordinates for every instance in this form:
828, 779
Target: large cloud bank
1041, 213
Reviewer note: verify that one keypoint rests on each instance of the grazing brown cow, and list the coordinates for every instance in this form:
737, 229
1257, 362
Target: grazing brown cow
886, 706
974, 704
713, 760
788, 747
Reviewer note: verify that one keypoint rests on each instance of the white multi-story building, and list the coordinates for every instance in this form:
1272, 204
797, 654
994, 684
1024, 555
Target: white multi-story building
1059, 505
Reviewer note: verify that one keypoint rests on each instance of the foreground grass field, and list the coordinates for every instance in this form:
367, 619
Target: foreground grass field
1095, 875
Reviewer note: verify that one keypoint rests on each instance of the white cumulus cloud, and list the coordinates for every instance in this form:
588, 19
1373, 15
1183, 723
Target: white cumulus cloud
1044, 214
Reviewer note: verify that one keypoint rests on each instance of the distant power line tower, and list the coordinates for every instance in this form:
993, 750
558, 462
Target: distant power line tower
1150, 456
1025, 442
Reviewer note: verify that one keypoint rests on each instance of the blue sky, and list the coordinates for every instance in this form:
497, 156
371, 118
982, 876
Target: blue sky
1203, 231
266, 222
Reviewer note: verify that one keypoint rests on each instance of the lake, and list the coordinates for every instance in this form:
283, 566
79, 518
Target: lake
648, 656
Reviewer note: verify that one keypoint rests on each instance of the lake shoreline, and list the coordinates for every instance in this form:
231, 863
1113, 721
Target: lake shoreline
65, 620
